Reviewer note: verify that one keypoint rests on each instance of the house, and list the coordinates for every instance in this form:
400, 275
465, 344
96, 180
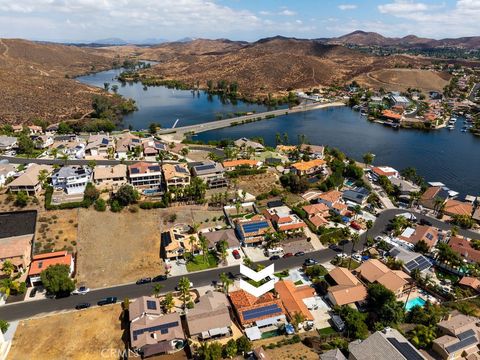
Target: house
233, 164
151, 332
357, 195
8, 142
329, 198
29, 181
72, 150
34, 129
252, 310
125, 143
315, 151
387, 171
17, 128
460, 337
431, 195
309, 167
463, 247
285, 148
210, 318
374, 271
334, 354
72, 179
176, 175
411, 260
42, 141
470, 282
318, 214
283, 218
429, 234
292, 298
252, 232
41, 262
99, 146
386, 344
458, 208
6, 171
392, 115
152, 147
405, 187
175, 243
110, 177
212, 173
228, 235
17, 231
146, 177
346, 289
398, 100
476, 214
245, 143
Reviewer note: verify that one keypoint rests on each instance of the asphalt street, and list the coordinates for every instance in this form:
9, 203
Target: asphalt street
27, 309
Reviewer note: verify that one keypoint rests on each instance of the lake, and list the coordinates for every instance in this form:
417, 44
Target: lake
451, 157
162, 105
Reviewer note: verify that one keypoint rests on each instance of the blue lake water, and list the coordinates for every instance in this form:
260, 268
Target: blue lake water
451, 157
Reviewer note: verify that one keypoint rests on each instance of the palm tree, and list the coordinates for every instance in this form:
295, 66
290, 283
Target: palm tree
368, 158
355, 239
222, 249
54, 152
162, 155
204, 246
157, 288
192, 240
184, 288
437, 204
297, 319
168, 303
8, 268
8, 285
226, 282
64, 158
184, 151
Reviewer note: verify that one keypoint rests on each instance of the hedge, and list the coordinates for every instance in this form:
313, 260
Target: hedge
147, 205
73, 205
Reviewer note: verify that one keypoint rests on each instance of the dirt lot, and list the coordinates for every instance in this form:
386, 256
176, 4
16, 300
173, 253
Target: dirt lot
79, 335
56, 230
401, 79
294, 351
258, 184
115, 248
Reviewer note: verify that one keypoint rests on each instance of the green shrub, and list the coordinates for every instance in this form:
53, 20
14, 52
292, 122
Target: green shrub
100, 205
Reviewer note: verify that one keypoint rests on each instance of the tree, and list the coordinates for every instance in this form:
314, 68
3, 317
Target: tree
126, 195
222, 247
21, 199
42, 177
162, 156
4, 326
100, 205
211, 351
91, 193
226, 282
243, 345
368, 158
56, 279
355, 239
202, 240
8, 268
297, 319
421, 246
230, 349
383, 306
106, 86
168, 303
355, 322
184, 151
8, 285
64, 128
115, 88
422, 336
25, 145
153, 128
184, 288
157, 289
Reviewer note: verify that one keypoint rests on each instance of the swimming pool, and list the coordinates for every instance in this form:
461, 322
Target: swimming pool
418, 301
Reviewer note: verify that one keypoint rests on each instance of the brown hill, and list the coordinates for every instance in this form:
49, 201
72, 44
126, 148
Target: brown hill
269, 65
36, 80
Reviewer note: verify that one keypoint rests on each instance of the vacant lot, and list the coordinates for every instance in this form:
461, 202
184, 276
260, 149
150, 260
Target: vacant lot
56, 230
78, 335
260, 183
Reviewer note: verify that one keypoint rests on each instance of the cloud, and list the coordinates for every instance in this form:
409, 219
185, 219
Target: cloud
287, 12
347, 6
402, 7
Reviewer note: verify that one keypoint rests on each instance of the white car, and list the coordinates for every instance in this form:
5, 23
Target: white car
357, 257
82, 290
342, 255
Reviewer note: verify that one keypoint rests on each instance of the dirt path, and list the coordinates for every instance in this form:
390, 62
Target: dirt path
5, 52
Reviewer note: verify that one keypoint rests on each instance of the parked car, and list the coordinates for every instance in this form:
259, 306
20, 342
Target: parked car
274, 257
300, 253
178, 289
82, 306
355, 226
425, 222
236, 254
310, 262
357, 257
287, 255
342, 256
144, 281
33, 292
159, 278
335, 248
108, 300
82, 290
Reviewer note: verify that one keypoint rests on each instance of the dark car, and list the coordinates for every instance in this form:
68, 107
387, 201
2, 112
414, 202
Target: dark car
144, 281
300, 253
236, 254
274, 257
108, 300
310, 262
335, 248
159, 278
425, 222
82, 306
287, 255
33, 292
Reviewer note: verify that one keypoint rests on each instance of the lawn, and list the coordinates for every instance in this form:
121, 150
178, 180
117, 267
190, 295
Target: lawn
198, 263
344, 263
326, 331
298, 282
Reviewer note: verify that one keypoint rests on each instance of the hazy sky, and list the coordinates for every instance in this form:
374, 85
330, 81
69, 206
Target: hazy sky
88, 20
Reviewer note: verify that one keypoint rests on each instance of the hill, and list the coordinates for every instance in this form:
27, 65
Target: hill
36, 80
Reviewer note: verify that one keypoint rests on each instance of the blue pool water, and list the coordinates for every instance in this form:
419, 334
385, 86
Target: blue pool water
418, 301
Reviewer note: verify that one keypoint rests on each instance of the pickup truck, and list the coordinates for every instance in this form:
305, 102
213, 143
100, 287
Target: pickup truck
108, 300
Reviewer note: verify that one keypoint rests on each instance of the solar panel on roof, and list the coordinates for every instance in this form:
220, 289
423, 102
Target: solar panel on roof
254, 227
135, 171
406, 349
154, 168
205, 167
466, 334
260, 312
462, 344
105, 141
151, 305
162, 328
429, 236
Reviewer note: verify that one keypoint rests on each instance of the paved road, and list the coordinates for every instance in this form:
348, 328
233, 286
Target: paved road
18, 160
29, 309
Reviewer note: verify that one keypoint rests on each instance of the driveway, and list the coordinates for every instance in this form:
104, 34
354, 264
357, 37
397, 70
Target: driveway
255, 253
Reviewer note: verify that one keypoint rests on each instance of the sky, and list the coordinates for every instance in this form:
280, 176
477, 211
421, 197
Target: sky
250, 20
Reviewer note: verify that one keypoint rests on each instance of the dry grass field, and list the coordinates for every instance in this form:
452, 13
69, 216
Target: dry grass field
294, 352
80, 335
260, 183
56, 230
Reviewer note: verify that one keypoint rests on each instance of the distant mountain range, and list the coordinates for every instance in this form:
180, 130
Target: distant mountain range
363, 38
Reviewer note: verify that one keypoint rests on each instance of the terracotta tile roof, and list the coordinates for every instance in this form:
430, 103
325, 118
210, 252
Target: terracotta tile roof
15, 246
144, 168
430, 193
392, 281
463, 247
314, 149
391, 115
307, 165
243, 301
286, 148
343, 276
42, 261
472, 282
429, 234
318, 220
108, 172
331, 196
344, 295
385, 171
235, 163
175, 170
292, 297
455, 207
372, 269
315, 209
30, 176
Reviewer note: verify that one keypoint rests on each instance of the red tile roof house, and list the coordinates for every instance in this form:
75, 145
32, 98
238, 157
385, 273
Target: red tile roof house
250, 309
330, 198
455, 207
41, 262
462, 246
470, 282
318, 214
292, 298
283, 218
431, 194
347, 289
429, 234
